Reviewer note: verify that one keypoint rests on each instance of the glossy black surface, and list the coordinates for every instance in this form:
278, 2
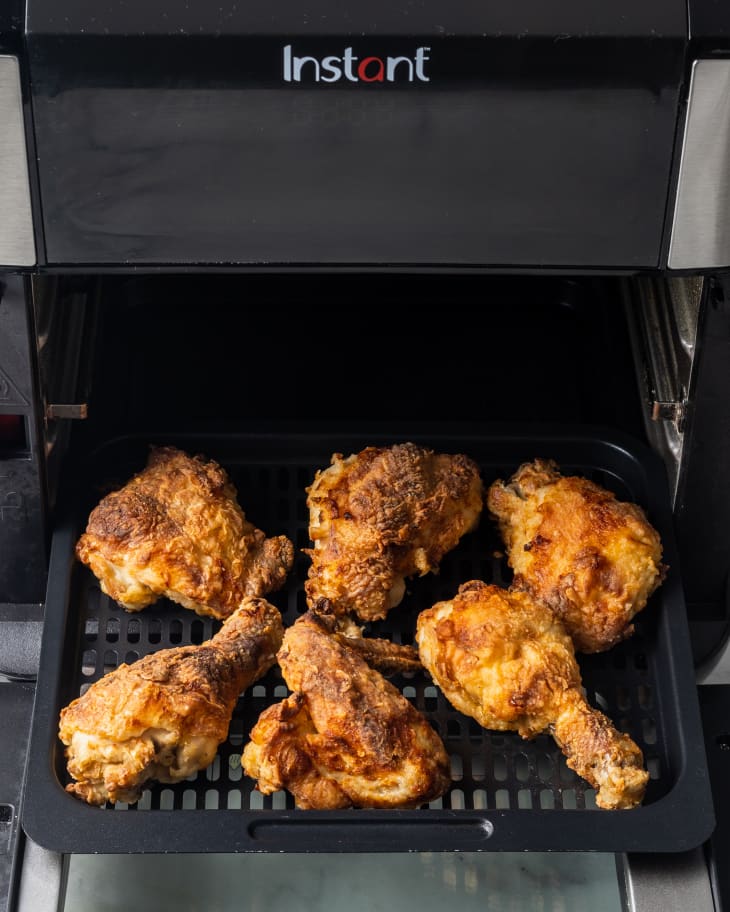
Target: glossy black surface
11, 26
710, 19
11, 17
375, 17
23, 554
703, 497
16, 707
715, 709
520, 150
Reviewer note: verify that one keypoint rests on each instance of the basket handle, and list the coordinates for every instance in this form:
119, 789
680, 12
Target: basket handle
372, 831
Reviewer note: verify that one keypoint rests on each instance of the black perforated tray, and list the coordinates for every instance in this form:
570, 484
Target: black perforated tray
507, 794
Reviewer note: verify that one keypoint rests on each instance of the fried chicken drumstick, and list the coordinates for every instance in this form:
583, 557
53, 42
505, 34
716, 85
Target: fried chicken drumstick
382, 515
506, 661
164, 716
385, 656
177, 530
591, 558
346, 737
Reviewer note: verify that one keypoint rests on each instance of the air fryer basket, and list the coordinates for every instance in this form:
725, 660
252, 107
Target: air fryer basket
507, 793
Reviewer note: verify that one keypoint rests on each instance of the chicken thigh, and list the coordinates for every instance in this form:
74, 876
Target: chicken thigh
164, 716
382, 515
506, 661
591, 558
345, 737
176, 530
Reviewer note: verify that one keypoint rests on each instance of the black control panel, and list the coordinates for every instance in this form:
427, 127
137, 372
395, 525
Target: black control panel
372, 134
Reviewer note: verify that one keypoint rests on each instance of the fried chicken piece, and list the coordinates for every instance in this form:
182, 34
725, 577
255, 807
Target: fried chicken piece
382, 515
164, 716
591, 558
505, 660
385, 656
346, 737
177, 530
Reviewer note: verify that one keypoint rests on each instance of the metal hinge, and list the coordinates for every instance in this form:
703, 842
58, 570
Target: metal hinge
673, 410
58, 410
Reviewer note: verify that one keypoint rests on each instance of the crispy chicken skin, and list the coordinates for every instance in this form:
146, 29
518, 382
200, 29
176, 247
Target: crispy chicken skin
176, 530
385, 656
591, 558
382, 515
346, 737
505, 660
164, 716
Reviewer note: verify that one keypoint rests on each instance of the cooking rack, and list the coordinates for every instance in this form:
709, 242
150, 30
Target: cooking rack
506, 794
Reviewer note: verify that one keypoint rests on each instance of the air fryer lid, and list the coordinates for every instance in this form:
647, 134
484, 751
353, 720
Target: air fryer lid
441, 133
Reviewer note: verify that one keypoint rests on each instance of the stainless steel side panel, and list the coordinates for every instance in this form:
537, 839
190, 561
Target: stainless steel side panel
665, 883
701, 227
17, 246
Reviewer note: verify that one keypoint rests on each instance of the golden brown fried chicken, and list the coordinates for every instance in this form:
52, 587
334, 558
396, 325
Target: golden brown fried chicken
382, 515
164, 716
176, 530
591, 558
346, 737
385, 656
505, 660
